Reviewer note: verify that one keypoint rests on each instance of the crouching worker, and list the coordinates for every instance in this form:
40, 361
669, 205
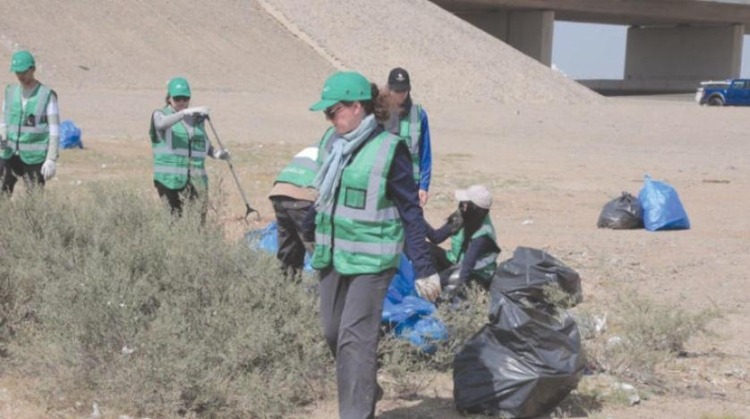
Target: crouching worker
367, 206
292, 196
473, 240
180, 146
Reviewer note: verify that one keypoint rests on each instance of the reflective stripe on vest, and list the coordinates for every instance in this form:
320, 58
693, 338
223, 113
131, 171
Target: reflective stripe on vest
411, 129
178, 156
302, 169
361, 232
487, 263
28, 132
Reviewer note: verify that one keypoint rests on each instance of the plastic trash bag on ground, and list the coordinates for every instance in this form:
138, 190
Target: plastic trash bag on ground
621, 213
70, 135
662, 209
528, 358
529, 271
407, 315
267, 239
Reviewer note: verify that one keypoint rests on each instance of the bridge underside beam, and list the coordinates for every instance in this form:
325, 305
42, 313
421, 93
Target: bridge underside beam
683, 53
621, 12
525, 30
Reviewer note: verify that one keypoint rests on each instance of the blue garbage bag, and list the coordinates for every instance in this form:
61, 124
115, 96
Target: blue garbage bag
267, 239
409, 316
70, 135
662, 209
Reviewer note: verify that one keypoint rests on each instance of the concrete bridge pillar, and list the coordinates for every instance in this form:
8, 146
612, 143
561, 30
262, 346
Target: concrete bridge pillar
687, 54
528, 31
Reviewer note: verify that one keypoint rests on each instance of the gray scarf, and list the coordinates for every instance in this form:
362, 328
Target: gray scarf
329, 174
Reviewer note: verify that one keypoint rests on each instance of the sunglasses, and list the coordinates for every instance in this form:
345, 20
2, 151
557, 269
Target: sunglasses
333, 110
180, 98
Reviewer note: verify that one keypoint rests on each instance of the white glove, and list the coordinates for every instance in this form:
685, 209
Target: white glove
48, 169
221, 154
200, 110
428, 288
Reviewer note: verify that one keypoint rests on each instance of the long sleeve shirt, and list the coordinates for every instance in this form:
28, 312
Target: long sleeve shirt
163, 121
402, 190
474, 251
53, 122
425, 153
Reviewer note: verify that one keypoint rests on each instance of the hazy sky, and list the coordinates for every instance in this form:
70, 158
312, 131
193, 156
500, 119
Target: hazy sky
594, 51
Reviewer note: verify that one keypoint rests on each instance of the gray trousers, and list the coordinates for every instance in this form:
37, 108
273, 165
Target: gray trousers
350, 311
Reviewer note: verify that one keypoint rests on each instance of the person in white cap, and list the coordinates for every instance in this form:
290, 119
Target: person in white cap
292, 196
30, 128
473, 238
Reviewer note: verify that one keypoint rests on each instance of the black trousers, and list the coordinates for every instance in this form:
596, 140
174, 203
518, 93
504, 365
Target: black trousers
290, 215
13, 168
175, 197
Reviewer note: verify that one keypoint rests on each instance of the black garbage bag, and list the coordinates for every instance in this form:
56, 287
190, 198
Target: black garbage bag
528, 358
622, 213
529, 271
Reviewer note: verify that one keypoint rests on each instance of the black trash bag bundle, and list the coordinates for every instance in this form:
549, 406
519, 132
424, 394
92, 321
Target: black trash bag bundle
622, 213
529, 272
528, 358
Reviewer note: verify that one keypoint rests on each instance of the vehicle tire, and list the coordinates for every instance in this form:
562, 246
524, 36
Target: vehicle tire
715, 101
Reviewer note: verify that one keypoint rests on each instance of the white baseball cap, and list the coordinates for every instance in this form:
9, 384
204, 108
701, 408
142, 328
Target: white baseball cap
477, 194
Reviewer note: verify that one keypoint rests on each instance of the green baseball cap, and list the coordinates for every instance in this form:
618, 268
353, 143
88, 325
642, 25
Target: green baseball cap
178, 86
347, 86
21, 61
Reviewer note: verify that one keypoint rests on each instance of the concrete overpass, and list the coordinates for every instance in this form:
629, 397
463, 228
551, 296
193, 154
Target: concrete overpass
672, 45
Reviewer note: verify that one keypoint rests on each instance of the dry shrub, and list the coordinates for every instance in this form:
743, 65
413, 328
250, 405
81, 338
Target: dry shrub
109, 297
643, 334
408, 369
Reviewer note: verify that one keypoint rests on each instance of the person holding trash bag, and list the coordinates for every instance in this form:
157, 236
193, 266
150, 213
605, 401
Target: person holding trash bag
473, 239
30, 128
367, 206
293, 194
409, 120
180, 146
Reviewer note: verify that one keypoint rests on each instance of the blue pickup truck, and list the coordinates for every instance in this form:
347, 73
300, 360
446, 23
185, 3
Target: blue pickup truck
732, 92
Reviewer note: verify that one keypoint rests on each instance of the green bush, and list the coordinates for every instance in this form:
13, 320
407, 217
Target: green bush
107, 296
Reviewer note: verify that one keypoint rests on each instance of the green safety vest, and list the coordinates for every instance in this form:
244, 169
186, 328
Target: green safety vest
411, 129
302, 169
179, 157
487, 262
28, 129
361, 232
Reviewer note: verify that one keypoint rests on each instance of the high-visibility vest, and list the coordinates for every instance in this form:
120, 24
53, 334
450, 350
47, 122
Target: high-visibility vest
361, 231
27, 126
302, 169
179, 157
410, 127
487, 262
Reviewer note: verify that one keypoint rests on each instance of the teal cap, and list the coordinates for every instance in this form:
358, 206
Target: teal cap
346, 86
21, 61
178, 86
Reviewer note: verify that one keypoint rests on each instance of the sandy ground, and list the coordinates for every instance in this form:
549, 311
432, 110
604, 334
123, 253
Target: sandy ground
552, 152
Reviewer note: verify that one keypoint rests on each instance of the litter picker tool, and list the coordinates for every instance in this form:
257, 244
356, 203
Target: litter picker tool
249, 209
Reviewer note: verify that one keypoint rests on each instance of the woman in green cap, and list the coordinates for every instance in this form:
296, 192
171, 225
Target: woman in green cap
29, 128
366, 212
180, 146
